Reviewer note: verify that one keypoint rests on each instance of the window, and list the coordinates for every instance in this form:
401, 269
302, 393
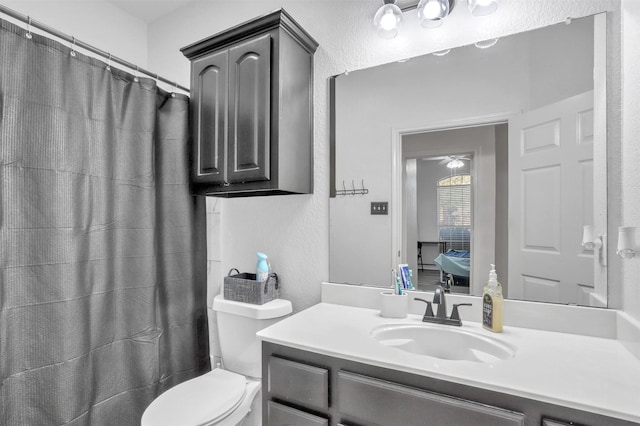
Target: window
454, 211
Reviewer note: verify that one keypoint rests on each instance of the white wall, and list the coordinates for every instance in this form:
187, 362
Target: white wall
630, 164
429, 172
97, 23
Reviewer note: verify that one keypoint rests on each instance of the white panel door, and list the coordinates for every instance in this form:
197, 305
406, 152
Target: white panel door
550, 200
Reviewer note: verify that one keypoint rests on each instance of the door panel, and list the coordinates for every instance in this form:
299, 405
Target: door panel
550, 200
249, 110
209, 115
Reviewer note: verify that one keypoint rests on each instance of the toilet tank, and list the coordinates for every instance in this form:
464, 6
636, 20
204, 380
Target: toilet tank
238, 324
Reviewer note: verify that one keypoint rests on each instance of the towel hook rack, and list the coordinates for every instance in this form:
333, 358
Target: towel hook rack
353, 190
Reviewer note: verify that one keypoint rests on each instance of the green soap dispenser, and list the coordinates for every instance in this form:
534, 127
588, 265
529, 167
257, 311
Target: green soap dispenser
492, 303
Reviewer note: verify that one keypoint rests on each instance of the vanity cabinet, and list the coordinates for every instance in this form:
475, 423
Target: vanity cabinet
306, 388
251, 109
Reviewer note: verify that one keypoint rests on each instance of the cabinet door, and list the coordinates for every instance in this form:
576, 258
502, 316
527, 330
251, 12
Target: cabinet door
282, 415
372, 401
249, 110
298, 383
209, 91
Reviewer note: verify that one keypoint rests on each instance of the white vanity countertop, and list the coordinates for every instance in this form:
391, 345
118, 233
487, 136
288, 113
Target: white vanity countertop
587, 373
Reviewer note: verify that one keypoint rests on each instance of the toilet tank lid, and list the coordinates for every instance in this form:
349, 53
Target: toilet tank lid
273, 309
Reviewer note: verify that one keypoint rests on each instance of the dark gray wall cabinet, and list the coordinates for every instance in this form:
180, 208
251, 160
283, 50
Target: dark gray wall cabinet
306, 388
252, 109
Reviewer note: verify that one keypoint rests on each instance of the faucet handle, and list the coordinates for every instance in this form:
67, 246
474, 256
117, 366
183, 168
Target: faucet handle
428, 313
455, 315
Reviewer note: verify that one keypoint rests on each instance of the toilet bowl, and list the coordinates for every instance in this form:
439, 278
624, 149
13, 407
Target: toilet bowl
223, 397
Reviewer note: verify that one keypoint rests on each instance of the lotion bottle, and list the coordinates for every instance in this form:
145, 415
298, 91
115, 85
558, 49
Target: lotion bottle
262, 269
492, 303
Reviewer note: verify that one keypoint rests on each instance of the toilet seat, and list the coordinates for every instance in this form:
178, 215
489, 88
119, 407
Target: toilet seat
200, 401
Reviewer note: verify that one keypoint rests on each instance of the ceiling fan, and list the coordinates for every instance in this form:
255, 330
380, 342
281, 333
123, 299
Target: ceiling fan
452, 161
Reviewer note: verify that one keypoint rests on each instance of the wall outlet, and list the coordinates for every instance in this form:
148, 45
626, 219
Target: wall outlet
379, 207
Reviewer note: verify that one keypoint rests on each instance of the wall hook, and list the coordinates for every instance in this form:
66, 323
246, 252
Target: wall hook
28, 33
73, 47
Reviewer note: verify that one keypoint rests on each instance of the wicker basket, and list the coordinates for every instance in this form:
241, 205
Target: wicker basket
243, 287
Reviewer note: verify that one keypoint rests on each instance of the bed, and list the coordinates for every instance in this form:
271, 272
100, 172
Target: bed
456, 263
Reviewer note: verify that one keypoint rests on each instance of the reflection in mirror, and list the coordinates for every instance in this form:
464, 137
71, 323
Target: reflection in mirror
439, 221
522, 118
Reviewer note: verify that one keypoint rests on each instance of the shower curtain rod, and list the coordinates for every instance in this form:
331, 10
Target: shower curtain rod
75, 42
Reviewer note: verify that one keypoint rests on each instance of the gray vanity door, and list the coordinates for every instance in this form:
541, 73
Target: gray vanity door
370, 401
299, 383
281, 415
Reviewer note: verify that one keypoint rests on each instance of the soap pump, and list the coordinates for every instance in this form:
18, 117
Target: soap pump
262, 269
492, 303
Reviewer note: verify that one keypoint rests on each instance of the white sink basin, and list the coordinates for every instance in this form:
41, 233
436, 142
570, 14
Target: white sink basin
444, 342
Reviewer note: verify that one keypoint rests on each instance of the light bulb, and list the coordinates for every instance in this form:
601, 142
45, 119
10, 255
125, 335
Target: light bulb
482, 7
432, 12
387, 20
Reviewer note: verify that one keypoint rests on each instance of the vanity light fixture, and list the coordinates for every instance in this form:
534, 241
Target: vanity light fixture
431, 13
387, 19
626, 242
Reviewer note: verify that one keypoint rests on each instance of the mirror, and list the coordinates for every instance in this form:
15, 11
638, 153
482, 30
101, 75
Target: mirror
528, 116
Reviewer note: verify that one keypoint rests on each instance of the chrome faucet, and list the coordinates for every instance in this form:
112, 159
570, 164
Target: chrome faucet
440, 317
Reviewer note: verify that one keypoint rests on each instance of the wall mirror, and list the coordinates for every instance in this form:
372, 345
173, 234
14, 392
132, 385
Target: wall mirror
525, 117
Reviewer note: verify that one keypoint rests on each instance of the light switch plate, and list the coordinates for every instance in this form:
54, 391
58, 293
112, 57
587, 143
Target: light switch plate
379, 207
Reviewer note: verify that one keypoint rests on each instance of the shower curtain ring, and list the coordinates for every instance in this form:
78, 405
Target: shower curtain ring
175, 89
28, 33
73, 47
135, 76
109, 63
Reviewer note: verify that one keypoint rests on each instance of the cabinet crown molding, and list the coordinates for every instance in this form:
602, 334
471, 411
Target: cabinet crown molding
278, 18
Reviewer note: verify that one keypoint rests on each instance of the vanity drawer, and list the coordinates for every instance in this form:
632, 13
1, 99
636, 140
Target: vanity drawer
372, 401
281, 415
299, 383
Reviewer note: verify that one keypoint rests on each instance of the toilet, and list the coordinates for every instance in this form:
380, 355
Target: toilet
226, 396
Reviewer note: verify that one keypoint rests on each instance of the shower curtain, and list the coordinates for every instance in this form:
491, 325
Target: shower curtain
102, 248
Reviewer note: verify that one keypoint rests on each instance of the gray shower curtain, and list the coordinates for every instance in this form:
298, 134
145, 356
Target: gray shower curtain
102, 251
